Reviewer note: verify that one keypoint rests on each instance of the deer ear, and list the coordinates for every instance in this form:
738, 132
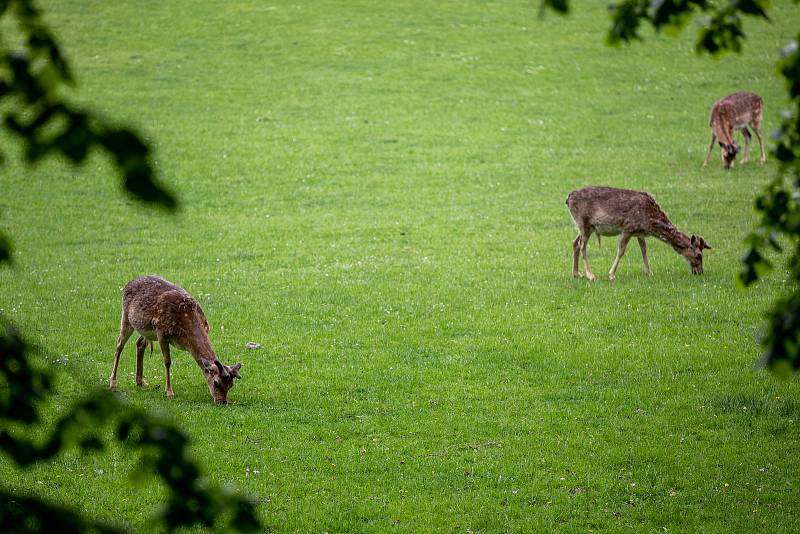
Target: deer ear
235, 371
693, 241
699, 242
222, 371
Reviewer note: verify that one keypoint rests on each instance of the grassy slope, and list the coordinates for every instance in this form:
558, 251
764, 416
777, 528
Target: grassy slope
375, 194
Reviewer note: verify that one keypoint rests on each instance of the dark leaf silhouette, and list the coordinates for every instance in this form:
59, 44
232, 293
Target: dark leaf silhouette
30, 515
5, 249
558, 6
162, 447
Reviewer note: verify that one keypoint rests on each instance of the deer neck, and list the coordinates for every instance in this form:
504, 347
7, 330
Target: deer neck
670, 234
723, 134
199, 347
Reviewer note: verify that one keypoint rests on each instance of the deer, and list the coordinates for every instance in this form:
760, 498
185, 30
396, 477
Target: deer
161, 311
735, 112
608, 211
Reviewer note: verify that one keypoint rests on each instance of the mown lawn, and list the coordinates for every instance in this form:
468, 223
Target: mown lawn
374, 192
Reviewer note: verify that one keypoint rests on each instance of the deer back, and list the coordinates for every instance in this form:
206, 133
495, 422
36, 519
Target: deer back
611, 210
734, 111
154, 304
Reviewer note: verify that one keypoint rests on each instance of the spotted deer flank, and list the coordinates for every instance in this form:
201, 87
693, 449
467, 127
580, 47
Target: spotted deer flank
607, 211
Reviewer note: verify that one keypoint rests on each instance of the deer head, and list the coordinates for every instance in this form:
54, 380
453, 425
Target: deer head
220, 378
694, 253
729, 154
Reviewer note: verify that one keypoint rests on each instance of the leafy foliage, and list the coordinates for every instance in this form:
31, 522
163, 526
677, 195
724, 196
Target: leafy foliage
163, 449
721, 30
28, 515
779, 213
30, 79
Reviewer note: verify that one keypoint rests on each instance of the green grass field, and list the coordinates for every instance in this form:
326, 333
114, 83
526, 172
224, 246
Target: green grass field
374, 192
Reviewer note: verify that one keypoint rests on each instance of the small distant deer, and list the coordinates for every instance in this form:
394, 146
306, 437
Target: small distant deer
608, 211
735, 112
161, 311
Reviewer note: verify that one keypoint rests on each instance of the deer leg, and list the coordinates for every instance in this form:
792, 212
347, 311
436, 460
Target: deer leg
576, 250
710, 148
164, 344
747, 139
643, 246
125, 331
584, 242
757, 129
623, 242
141, 345
730, 136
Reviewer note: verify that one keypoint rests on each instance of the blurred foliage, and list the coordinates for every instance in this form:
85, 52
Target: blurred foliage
778, 206
30, 79
559, 6
720, 29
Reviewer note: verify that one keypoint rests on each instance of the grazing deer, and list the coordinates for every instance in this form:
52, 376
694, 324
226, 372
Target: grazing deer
735, 112
160, 310
608, 211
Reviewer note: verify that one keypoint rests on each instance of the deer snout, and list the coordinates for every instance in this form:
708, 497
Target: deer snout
729, 155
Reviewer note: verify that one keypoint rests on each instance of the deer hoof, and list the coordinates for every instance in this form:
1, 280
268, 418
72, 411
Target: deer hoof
612, 277
141, 383
112, 384
577, 274
170, 394
590, 277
